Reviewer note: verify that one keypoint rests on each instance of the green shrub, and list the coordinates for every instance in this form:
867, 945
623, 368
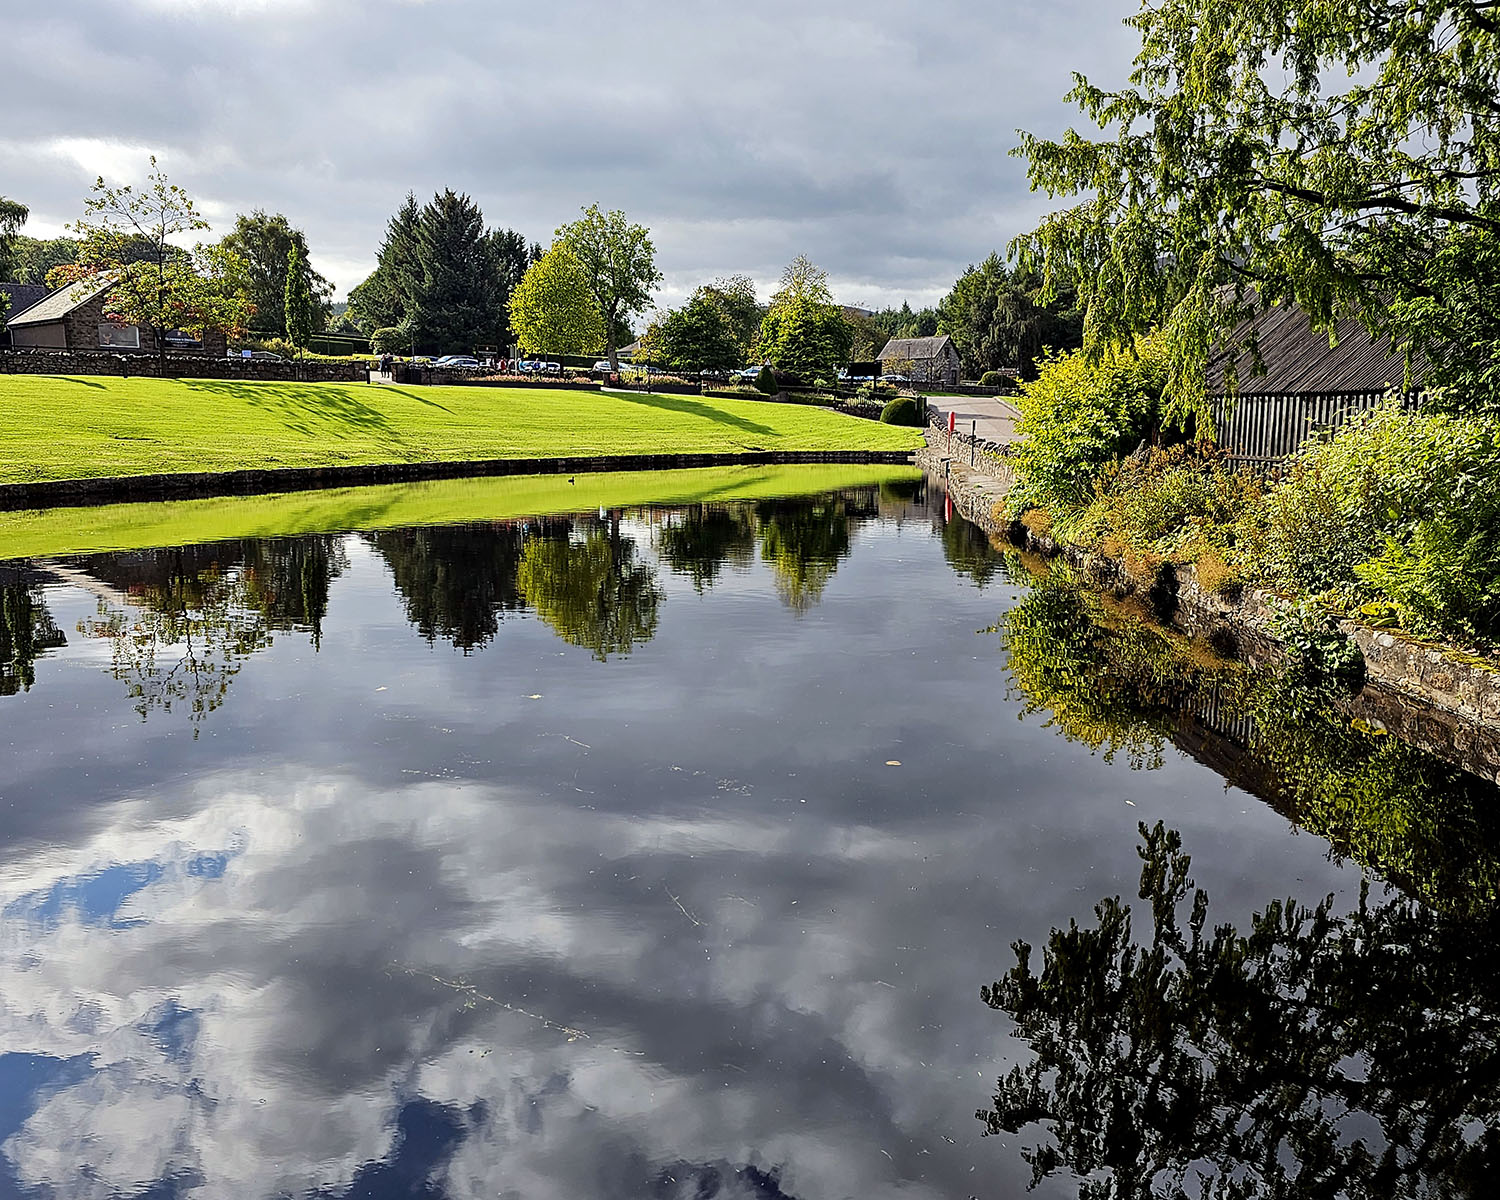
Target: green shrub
903, 410
1174, 502
766, 381
1078, 416
389, 340
1398, 510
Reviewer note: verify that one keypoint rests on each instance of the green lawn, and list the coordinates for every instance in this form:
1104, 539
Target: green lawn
65, 427
444, 501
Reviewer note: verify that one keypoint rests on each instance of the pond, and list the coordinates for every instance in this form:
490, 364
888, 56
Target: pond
672, 839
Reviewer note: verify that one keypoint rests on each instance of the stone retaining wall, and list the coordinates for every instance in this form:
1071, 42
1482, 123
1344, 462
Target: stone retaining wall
179, 366
1421, 693
188, 485
970, 451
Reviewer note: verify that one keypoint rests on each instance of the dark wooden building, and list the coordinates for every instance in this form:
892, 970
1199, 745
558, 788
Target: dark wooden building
1311, 382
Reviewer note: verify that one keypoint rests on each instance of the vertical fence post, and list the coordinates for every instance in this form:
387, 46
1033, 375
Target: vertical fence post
973, 443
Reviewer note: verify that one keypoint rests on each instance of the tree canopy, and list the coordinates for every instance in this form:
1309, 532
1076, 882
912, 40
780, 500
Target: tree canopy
266, 244
619, 263
33, 258
157, 284
1343, 157
441, 278
458, 303
298, 302
12, 217
699, 336
997, 318
553, 311
804, 333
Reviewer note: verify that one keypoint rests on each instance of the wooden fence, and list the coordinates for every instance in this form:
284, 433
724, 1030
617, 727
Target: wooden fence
1259, 430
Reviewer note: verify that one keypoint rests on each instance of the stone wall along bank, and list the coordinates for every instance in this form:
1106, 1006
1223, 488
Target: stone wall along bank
179, 366
1422, 693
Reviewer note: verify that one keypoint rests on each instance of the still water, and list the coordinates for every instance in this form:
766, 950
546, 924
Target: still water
673, 851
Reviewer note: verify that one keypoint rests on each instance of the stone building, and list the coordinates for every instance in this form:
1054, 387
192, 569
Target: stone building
72, 318
925, 360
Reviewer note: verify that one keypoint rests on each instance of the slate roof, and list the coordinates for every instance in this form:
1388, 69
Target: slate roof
915, 349
24, 295
1298, 358
56, 305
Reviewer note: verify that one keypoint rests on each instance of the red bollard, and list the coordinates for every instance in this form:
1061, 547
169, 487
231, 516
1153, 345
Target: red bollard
952, 421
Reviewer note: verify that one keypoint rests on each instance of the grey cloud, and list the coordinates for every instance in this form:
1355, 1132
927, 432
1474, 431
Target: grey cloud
872, 137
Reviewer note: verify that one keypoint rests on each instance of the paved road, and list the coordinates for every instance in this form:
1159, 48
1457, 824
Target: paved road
994, 418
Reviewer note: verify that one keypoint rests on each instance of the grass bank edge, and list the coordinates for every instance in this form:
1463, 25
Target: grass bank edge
47, 532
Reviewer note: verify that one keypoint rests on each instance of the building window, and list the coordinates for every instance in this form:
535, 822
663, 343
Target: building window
119, 337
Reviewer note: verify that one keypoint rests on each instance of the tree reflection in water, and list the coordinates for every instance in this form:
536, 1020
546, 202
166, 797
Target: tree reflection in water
591, 590
803, 540
968, 549
26, 631
700, 542
181, 622
1317, 1054
456, 581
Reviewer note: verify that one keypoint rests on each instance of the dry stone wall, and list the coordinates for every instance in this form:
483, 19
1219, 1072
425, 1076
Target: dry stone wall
179, 366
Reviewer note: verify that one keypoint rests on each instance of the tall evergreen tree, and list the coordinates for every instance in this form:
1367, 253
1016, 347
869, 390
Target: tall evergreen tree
457, 304
998, 318
386, 298
298, 303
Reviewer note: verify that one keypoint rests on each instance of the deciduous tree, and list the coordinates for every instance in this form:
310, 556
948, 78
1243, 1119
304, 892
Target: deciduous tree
804, 333
12, 217
35, 258
619, 263
266, 244
696, 337
553, 309
157, 284
1285, 151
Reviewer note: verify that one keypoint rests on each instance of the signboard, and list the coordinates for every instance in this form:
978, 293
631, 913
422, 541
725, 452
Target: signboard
864, 370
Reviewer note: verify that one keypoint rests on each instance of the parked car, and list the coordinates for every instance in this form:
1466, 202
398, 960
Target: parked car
602, 365
260, 356
458, 362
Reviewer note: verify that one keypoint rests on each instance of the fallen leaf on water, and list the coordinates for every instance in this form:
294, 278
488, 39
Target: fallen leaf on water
380, 689
535, 696
893, 762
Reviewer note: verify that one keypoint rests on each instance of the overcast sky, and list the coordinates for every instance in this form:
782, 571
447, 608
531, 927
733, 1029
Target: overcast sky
870, 135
